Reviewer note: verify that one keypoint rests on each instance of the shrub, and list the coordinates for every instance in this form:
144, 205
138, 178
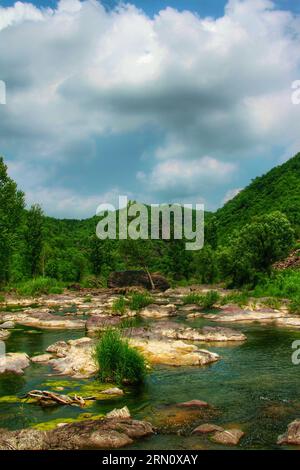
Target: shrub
39, 286
205, 301
119, 306
118, 362
239, 298
139, 300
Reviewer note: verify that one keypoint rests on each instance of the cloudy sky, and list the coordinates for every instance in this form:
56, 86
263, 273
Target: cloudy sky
161, 100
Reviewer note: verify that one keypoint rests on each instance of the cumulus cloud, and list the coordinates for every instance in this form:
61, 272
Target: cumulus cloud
78, 73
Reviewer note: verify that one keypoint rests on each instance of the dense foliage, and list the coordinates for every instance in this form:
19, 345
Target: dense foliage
242, 240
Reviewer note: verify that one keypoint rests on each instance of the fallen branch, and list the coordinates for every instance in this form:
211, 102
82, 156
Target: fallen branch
44, 397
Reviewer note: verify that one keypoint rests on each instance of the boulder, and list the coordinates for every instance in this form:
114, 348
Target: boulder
158, 311
137, 278
91, 434
14, 363
228, 437
292, 434
207, 428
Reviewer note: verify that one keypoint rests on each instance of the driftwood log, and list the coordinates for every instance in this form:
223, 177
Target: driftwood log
46, 398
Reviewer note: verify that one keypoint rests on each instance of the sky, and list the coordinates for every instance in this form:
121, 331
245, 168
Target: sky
161, 100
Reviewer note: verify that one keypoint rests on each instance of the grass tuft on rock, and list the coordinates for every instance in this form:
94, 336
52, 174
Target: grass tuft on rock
205, 301
118, 361
39, 286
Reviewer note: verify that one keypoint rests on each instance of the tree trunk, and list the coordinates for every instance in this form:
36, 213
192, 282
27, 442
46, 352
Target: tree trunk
150, 278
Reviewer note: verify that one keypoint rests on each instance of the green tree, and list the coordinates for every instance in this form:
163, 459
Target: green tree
35, 240
11, 220
256, 247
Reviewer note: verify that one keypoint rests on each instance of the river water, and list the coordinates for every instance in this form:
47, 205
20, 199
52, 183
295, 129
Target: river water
254, 386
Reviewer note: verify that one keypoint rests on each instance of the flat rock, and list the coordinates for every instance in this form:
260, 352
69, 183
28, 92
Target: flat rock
158, 311
90, 434
236, 314
194, 404
292, 435
228, 437
174, 330
14, 363
44, 320
173, 353
41, 358
122, 413
207, 428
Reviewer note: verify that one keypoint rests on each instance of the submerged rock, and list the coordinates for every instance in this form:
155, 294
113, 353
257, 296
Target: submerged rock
158, 311
292, 435
194, 404
90, 434
207, 428
229, 437
14, 363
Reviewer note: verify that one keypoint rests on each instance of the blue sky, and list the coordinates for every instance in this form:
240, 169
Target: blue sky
161, 100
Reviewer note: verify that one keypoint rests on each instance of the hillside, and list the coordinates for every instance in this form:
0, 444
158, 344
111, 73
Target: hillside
279, 189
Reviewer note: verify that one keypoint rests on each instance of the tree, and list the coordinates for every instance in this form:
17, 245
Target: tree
256, 248
11, 220
139, 254
35, 240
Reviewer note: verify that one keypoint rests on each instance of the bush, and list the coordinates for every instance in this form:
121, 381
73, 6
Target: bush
118, 362
205, 301
39, 286
139, 300
239, 298
119, 306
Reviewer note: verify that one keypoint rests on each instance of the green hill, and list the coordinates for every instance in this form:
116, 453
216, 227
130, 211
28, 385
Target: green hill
279, 189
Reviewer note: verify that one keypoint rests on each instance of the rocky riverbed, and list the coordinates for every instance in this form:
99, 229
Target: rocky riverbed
215, 357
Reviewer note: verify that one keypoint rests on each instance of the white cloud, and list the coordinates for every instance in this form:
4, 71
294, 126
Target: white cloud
231, 194
218, 87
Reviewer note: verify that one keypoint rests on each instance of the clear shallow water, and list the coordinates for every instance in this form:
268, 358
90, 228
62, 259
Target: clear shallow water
254, 386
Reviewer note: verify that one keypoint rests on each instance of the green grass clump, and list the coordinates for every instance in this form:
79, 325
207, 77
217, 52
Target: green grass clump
139, 300
206, 301
39, 286
284, 285
118, 362
119, 306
